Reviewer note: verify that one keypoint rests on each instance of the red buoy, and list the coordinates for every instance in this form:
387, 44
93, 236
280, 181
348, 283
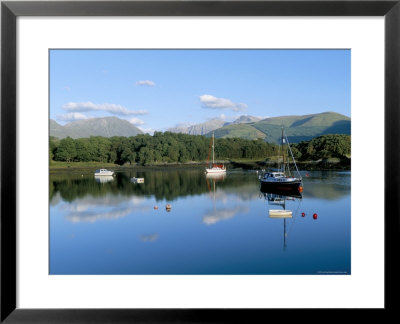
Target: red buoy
315, 216
155, 207
303, 214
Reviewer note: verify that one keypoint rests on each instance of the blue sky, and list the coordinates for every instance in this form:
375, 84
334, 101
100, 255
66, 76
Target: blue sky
159, 89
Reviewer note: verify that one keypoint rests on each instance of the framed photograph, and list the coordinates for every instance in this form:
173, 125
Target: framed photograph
189, 161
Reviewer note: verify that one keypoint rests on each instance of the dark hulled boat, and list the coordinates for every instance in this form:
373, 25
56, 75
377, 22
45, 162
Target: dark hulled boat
283, 179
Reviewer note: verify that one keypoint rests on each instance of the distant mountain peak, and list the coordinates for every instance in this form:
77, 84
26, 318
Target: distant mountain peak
244, 119
102, 126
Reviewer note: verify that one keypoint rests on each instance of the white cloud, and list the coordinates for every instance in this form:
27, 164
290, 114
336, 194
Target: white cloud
145, 83
110, 108
71, 116
136, 121
209, 101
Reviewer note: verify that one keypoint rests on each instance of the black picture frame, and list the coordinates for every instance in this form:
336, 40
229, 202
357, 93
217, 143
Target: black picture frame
10, 10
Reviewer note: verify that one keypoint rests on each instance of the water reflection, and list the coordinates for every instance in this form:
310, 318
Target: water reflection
217, 224
279, 199
173, 184
103, 179
93, 216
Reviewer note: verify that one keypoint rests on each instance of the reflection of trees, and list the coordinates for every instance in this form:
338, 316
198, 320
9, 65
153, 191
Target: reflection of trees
328, 185
171, 184
167, 185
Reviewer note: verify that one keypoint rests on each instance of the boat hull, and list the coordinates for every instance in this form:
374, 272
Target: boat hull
215, 171
275, 213
102, 174
282, 187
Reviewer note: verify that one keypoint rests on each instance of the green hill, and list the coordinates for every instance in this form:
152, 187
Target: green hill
245, 131
297, 128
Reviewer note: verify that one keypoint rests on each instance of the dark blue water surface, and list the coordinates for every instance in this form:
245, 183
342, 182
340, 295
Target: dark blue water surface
214, 226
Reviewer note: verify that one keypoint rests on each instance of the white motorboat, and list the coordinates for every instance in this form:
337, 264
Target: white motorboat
103, 172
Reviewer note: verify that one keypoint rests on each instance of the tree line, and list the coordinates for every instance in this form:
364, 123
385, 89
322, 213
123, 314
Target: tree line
170, 147
323, 147
160, 148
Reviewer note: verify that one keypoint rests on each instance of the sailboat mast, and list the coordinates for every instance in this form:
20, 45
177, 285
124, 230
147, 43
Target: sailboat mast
283, 153
213, 149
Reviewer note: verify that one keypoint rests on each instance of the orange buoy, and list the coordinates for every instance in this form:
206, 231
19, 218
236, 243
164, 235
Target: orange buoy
303, 214
315, 216
155, 207
300, 189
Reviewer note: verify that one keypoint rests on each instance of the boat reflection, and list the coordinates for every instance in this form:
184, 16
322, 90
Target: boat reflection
103, 179
216, 176
280, 199
217, 214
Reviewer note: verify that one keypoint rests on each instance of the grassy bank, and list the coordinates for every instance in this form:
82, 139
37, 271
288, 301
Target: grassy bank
246, 164
89, 166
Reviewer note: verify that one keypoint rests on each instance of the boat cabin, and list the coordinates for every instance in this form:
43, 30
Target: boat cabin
274, 175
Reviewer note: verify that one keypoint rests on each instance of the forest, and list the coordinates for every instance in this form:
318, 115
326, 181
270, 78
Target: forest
171, 147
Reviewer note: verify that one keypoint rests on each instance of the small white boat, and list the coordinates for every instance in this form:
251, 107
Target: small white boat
137, 180
215, 168
103, 172
279, 213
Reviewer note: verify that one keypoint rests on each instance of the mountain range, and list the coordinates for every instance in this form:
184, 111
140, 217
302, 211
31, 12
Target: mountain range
105, 126
297, 128
211, 125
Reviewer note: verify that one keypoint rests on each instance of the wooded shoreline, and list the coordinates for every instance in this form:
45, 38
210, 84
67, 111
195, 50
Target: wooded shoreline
231, 165
331, 151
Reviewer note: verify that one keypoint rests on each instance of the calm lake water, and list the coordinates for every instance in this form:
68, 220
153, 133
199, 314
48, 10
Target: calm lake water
215, 226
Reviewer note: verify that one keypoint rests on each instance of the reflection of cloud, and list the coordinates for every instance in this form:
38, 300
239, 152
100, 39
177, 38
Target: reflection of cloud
55, 200
215, 216
76, 208
91, 209
92, 216
137, 200
149, 238
107, 201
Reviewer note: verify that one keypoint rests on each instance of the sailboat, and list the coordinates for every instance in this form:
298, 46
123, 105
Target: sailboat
283, 179
215, 168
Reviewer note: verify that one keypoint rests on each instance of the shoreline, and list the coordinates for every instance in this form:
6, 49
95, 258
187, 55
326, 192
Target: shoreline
321, 165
